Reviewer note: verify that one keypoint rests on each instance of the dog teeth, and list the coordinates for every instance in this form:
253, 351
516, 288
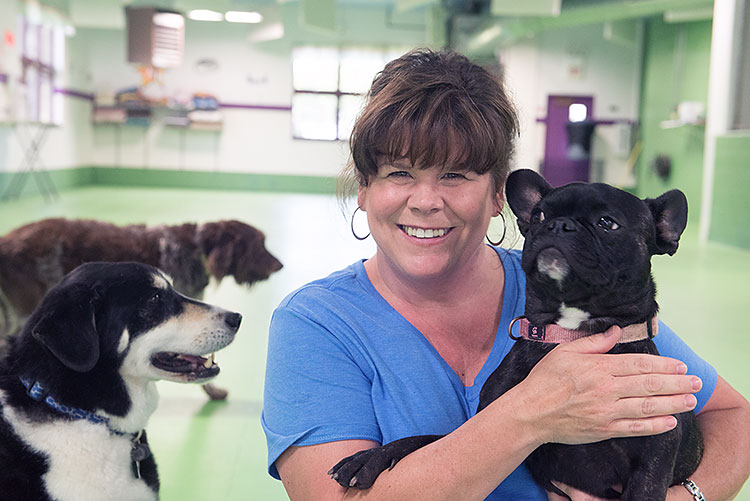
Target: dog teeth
209, 361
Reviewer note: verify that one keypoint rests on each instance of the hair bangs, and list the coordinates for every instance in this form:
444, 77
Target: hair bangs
445, 135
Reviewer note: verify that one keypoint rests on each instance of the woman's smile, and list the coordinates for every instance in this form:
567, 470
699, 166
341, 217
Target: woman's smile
424, 233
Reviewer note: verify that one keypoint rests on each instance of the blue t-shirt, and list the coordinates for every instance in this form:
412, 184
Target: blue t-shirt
343, 364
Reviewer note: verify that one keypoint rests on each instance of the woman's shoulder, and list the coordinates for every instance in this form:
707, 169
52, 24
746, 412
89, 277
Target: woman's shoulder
511, 259
340, 286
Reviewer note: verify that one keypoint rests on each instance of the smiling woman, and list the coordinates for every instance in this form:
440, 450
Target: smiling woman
401, 344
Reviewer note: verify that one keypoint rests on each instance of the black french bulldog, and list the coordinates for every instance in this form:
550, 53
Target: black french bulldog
587, 259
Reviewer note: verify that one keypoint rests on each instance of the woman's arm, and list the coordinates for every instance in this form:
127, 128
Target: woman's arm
466, 464
575, 395
725, 424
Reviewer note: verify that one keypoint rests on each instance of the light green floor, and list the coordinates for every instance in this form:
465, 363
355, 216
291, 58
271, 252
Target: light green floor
217, 450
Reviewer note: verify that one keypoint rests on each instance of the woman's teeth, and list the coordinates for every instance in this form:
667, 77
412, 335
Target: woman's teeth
424, 233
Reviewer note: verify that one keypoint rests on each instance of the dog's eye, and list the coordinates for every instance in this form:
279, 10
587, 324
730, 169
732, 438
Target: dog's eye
155, 298
537, 216
607, 223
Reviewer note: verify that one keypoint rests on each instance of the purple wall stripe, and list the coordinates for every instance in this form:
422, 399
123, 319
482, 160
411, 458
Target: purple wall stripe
256, 107
601, 122
88, 96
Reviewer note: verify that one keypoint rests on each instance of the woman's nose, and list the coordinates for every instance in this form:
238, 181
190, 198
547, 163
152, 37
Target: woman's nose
425, 198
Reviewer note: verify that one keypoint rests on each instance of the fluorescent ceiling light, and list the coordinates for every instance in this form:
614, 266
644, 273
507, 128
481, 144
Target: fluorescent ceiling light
205, 15
169, 20
274, 31
236, 16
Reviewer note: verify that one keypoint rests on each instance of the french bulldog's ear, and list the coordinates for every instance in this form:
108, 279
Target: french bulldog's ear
64, 323
670, 218
523, 190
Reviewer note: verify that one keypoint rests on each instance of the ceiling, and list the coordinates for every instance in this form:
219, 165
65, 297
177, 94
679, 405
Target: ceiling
485, 23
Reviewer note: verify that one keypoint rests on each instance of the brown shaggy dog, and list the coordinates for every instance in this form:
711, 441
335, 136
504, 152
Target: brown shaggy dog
35, 257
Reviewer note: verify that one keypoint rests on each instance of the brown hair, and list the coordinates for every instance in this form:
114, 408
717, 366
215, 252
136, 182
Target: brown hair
435, 108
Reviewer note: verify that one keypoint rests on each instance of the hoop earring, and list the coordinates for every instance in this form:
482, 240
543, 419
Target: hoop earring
505, 227
352, 227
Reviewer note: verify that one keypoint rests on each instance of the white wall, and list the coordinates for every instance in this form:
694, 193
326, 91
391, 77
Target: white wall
609, 71
252, 140
260, 141
63, 146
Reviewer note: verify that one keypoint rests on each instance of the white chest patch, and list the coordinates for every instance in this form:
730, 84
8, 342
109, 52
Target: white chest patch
571, 318
86, 462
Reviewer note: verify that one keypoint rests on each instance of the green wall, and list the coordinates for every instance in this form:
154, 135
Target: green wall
675, 69
731, 204
116, 176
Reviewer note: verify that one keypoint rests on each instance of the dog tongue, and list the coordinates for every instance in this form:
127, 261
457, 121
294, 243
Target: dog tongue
193, 359
196, 360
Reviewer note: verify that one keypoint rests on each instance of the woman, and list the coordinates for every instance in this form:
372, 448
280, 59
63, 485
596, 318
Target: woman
401, 343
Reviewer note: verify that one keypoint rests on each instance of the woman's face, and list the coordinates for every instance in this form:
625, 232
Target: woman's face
428, 222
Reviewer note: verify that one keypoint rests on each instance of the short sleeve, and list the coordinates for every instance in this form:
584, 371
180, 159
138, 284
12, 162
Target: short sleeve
315, 391
669, 344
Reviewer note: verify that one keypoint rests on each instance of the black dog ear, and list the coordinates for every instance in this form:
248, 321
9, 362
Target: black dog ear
523, 190
670, 218
65, 325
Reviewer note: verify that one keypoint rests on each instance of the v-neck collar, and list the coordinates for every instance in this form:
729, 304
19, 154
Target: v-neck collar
510, 304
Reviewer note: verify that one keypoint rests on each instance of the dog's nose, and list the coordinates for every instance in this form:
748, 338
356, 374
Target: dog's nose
561, 225
233, 320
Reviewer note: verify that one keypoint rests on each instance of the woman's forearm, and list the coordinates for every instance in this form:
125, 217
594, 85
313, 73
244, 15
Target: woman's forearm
726, 435
467, 464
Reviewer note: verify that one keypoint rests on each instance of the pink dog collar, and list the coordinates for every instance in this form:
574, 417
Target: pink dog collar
553, 333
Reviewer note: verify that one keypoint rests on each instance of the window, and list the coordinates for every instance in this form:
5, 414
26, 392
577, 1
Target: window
329, 88
577, 112
42, 63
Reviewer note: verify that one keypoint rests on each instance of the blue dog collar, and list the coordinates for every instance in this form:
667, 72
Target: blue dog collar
39, 393
139, 451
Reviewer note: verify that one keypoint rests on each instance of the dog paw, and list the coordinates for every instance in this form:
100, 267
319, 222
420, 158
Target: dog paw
360, 470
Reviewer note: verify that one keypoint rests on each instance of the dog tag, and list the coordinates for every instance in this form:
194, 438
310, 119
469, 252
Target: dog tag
537, 332
139, 452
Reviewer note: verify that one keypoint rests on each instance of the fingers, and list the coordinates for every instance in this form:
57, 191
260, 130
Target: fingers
626, 364
598, 343
644, 385
641, 427
634, 408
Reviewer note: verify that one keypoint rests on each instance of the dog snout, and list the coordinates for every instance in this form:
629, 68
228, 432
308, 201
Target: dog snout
562, 225
232, 320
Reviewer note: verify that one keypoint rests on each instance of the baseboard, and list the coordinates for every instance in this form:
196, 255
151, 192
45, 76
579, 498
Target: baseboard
35, 183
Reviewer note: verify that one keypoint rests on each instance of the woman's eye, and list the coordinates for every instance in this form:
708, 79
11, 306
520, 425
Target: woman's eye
607, 223
537, 216
398, 173
454, 175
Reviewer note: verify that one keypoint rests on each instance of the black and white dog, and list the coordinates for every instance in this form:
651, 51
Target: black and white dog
78, 384
587, 259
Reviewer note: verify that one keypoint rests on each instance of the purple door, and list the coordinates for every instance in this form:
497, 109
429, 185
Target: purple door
565, 162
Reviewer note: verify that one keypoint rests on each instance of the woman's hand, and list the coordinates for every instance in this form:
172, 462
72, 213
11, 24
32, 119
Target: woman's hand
579, 394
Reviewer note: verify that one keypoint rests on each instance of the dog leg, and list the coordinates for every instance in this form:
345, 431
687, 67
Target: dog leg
360, 470
651, 479
214, 392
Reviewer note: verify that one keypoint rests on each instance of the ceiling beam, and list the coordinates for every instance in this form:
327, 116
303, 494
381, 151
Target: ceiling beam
502, 31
